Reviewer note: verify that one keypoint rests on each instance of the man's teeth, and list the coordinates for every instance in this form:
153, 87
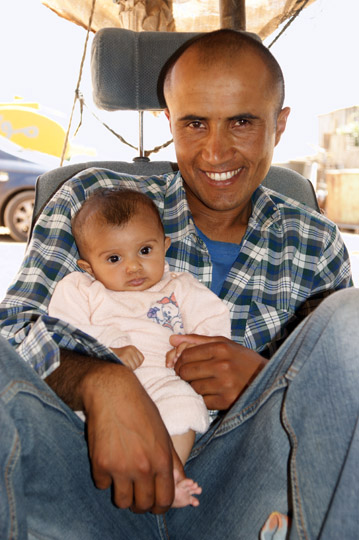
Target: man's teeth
221, 177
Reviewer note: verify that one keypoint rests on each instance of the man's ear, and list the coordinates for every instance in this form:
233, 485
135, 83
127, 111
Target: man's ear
281, 123
168, 116
84, 265
167, 242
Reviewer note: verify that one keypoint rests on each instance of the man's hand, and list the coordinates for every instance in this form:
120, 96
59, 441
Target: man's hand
128, 443
129, 446
173, 354
217, 368
129, 355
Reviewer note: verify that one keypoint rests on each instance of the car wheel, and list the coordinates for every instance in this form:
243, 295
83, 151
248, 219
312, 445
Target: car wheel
18, 215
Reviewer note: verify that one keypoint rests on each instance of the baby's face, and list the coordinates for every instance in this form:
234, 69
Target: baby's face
128, 258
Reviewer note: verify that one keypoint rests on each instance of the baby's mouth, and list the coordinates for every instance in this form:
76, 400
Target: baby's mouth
136, 282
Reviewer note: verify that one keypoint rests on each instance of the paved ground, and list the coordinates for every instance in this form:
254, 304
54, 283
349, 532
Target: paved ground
11, 255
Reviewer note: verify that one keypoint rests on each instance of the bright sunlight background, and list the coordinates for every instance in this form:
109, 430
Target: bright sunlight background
41, 54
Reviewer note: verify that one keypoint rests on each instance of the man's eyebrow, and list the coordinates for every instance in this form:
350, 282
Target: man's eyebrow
244, 116
241, 116
191, 117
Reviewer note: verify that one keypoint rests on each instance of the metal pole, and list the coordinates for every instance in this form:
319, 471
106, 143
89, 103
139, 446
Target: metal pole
140, 134
232, 14
141, 156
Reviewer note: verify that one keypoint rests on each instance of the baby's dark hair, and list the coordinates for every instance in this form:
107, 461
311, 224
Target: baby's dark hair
111, 206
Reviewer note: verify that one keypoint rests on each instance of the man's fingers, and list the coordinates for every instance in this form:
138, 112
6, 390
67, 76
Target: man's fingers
197, 366
144, 495
153, 492
164, 485
196, 339
101, 480
123, 492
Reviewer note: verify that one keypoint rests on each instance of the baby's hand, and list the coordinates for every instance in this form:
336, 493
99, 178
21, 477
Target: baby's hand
129, 355
173, 355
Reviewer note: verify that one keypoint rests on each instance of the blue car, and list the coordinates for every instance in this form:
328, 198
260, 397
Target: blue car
19, 170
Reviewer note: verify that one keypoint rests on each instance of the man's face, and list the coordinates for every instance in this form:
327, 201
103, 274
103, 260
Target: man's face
224, 125
127, 258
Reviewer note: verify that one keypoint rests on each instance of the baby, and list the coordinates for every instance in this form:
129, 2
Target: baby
129, 301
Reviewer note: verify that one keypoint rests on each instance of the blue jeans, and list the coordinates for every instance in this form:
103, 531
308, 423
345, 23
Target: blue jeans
289, 444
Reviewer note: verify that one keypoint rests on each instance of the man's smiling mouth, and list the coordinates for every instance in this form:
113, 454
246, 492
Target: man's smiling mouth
223, 176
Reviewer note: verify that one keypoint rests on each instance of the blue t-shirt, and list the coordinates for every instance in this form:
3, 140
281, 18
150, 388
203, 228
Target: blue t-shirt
223, 255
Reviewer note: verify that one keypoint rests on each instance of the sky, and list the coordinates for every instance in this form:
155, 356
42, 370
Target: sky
41, 54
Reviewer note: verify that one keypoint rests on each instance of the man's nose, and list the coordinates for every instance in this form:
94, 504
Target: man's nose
217, 147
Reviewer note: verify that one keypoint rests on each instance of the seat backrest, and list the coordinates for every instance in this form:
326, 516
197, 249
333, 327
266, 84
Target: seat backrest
280, 179
126, 67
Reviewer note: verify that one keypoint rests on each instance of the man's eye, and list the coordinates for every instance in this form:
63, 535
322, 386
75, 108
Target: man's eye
242, 122
145, 250
113, 259
196, 124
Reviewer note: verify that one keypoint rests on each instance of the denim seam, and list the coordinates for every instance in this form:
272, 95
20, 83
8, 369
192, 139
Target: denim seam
162, 527
13, 459
20, 386
12, 389
301, 529
35, 534
293, 370
242, 416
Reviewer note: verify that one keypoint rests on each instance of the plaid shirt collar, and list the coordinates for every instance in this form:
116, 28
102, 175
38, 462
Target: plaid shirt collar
178, 220
290, 259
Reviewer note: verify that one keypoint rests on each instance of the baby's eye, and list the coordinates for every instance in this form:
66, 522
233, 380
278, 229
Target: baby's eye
146, 250
113, 259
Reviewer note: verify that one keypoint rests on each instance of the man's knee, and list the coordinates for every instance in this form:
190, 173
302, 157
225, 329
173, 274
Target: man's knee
337, 321
343, 307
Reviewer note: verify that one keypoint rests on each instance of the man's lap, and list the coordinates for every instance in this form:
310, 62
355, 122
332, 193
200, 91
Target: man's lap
242, 464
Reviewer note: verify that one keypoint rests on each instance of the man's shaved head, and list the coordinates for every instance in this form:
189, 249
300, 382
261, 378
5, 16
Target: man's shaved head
220, 47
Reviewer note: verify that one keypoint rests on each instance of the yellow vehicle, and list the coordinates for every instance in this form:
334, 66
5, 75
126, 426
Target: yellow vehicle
26, 125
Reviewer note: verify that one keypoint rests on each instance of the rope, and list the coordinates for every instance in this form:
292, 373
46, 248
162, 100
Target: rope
294, 16
84, 104
79, 96
158, 148
77, 91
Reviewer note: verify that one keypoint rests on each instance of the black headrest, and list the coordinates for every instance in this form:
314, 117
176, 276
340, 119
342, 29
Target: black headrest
126, 66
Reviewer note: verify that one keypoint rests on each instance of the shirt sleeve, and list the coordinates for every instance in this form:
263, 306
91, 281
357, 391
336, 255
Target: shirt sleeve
333, 272
50, 255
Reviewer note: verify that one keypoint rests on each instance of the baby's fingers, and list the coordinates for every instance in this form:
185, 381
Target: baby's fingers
173, 355
171, 358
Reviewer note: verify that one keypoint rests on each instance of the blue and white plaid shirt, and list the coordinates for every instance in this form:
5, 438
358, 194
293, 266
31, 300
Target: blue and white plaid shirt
290, 259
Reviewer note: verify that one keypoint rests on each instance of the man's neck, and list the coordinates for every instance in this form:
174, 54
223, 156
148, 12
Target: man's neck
221, 226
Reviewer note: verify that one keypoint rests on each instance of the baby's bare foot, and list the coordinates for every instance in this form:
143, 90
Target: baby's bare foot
185, 490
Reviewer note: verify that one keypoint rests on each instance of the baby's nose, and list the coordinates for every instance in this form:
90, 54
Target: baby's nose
133, 266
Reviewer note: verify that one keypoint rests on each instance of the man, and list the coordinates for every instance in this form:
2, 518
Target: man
225, 107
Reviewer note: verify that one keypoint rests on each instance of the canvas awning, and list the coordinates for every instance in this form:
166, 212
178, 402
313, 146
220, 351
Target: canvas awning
259, 16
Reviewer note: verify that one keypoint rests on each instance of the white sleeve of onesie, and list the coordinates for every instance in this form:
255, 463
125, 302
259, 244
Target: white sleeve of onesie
74, 300
201, 310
